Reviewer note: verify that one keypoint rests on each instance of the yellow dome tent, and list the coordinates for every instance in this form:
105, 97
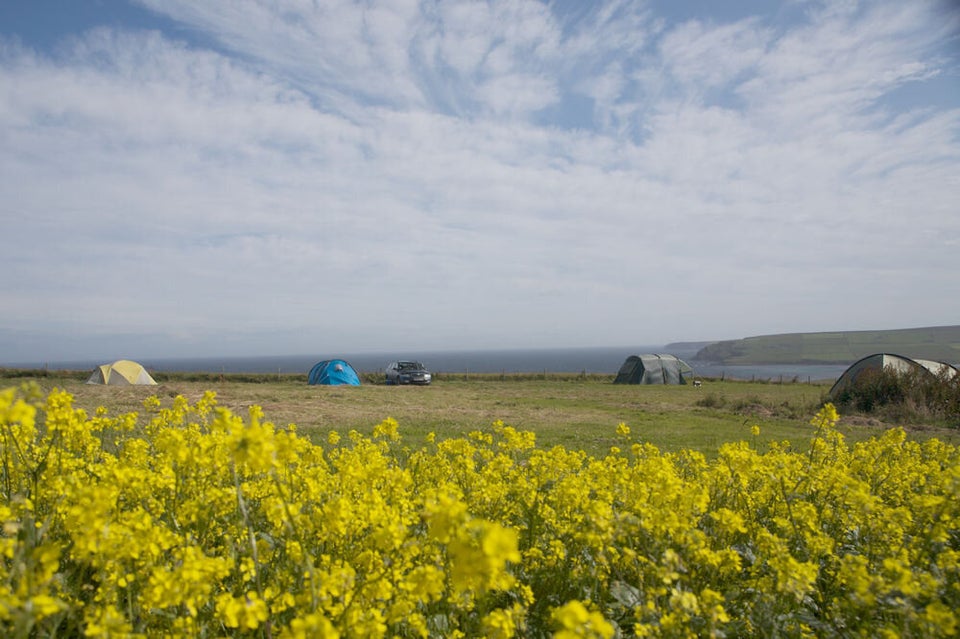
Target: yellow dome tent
121, 373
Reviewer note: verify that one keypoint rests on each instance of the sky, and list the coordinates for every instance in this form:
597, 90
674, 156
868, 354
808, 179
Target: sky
267, 177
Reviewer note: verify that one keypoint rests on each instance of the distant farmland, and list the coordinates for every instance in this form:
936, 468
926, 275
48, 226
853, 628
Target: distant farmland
941, 343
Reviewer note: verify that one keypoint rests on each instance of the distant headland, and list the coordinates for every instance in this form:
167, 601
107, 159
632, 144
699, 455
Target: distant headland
940, 343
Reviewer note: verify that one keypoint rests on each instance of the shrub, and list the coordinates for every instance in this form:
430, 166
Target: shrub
712, 400
904, 395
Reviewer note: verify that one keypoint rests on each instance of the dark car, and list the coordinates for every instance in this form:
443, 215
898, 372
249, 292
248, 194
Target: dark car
408, 372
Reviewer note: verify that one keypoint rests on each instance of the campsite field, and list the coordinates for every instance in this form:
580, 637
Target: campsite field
573, 411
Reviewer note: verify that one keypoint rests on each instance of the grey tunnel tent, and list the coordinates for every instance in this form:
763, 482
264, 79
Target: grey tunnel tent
887, 361
654, 369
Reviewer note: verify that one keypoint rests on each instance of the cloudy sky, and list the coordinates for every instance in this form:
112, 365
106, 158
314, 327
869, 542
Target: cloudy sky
263, 177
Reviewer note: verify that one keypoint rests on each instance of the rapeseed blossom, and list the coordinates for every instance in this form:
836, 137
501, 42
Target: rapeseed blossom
189, 520
576, 621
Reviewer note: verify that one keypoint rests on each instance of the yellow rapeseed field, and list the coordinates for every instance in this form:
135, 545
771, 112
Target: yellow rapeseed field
187, 520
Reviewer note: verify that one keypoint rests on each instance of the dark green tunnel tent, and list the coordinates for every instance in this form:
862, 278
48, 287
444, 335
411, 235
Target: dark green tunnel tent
654, 368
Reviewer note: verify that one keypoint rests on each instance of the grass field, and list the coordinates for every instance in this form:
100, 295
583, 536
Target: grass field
572, 411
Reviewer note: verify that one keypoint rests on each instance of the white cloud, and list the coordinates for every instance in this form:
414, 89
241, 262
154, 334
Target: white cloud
702, 56
395, 159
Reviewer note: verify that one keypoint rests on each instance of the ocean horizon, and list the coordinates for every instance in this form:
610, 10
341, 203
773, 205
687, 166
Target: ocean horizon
587, 360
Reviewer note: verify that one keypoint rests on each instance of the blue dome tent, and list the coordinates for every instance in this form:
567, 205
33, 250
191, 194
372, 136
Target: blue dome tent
333, 372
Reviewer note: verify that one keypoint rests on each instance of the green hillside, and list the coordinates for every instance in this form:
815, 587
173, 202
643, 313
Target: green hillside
941, 343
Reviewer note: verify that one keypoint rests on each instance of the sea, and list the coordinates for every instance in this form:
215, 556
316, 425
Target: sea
600, 360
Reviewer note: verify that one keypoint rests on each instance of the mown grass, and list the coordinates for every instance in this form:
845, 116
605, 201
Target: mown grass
575, 411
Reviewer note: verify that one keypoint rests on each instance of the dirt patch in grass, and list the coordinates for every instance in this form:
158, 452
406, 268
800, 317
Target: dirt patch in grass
861, 421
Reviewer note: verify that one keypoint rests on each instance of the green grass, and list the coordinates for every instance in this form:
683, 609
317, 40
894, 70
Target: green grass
580, 412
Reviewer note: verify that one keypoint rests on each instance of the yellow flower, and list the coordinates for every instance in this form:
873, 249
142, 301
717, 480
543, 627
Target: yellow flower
425, 583
941, 619
502, 623
387, 429
685, 601
826, 417
479, 554
195, 522
310, 626
246, 612
106, 622
575, 621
